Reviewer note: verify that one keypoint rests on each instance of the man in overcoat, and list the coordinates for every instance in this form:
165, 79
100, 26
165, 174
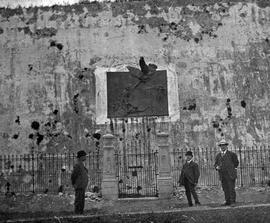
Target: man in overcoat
189, 178
226, 164
79, 180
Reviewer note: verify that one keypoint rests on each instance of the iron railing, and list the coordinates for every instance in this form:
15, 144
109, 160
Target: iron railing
45, 172
254, 165
137, 174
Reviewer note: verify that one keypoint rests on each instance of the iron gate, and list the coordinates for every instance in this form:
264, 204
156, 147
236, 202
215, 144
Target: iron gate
137, 175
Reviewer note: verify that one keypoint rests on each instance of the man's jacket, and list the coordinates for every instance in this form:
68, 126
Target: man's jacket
79, 176
228, 164
191, 172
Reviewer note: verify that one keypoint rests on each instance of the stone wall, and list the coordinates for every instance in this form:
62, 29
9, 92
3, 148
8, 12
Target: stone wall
53, 61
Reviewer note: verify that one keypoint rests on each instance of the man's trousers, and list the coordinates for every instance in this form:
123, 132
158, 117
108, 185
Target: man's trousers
228, 186
190, 189
79, 201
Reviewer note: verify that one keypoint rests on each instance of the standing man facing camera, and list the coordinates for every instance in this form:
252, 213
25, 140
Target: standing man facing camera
226, 164
79, 180
189, 178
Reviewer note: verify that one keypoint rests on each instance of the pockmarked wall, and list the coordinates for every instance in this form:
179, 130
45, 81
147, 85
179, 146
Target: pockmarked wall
53, 63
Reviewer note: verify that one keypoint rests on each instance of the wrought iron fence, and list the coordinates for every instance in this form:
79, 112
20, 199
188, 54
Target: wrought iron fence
137, 174
254, 165
45, 172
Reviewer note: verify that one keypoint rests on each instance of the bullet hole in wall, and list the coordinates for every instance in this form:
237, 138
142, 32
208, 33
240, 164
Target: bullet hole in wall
31, 136
97, 135
59, 46
39, 138
55, 112
165, 38
215, 124
219, 129
173, 26
192, 107
53, 43
243, 104
75, 103
229, 109
35, 125
220, 24
196, 40
190, 104
18, 120
80, 76
48, 124
137, 135
148, 129
142, 29
15, 136
267, 40
30, 67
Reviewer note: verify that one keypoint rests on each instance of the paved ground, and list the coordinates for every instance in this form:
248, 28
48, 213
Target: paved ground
46, 205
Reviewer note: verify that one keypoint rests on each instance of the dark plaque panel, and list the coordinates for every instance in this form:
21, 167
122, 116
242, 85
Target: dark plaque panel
136, 96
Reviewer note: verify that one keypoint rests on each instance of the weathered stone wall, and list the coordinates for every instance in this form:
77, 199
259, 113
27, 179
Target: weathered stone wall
53, 59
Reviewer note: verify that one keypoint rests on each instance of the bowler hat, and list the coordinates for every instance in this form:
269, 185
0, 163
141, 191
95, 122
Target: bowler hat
81, 153
189, 153
223, 142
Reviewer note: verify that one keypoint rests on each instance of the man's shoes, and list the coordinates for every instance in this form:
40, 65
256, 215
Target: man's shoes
190, 205
197, 203
226, 204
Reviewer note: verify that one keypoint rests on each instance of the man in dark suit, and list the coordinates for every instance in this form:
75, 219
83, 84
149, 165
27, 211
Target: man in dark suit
79, 180
226, 164
189, 178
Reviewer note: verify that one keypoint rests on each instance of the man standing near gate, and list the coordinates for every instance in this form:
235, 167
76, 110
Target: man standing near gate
79, 180
226, 164
189, 178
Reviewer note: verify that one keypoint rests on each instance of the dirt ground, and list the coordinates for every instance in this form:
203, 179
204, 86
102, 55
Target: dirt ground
49, 205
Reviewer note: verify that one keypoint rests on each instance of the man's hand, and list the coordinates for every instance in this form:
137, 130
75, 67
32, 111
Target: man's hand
217, 167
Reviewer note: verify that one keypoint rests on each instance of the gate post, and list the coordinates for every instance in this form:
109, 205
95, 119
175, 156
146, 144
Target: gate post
109, 186
165, 183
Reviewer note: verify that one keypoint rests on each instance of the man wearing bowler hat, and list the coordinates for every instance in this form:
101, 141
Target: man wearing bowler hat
79, 180
226, 164
189, 178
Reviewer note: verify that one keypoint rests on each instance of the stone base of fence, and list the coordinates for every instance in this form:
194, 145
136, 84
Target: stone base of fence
165, 187
109, 189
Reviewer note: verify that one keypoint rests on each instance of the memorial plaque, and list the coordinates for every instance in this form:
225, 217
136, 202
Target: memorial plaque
131, 95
